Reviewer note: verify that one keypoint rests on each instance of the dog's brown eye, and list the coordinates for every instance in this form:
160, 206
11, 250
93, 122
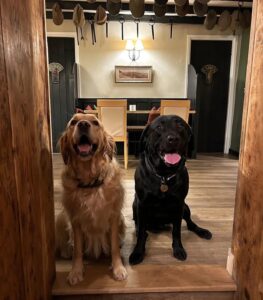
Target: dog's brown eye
96, 123
73, 122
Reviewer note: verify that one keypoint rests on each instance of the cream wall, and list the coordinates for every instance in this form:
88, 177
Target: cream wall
166, 56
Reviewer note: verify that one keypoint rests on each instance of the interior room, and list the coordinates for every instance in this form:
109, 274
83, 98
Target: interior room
174, 51
109, 76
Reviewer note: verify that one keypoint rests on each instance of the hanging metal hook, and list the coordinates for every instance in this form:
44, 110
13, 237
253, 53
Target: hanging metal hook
107, 29
137, 22
171, 28
152, 23
122, 20
93, 33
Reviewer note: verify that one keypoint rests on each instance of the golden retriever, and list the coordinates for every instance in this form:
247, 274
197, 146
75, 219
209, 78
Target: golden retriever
92, 196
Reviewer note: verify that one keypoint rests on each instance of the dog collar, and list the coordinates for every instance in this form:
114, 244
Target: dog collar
164, 179
95, 183
164, 182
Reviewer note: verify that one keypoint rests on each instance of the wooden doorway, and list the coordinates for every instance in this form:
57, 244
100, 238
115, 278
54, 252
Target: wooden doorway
26, 176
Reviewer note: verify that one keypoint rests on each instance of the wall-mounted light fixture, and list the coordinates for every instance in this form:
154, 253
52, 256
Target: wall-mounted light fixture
134, 48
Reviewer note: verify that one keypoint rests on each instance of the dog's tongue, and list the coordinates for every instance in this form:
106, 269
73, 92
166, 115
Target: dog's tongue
84, 148
172, 158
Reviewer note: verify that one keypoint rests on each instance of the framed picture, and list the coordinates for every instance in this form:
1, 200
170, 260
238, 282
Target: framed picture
141, 74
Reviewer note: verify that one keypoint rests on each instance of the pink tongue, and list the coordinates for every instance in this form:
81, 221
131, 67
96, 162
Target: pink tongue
172, 158
85, 148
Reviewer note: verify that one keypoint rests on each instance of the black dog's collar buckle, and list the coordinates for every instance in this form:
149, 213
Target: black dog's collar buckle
164, 187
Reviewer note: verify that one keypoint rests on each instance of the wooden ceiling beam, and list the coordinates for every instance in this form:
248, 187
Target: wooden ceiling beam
170, 17
69, 5
129, 18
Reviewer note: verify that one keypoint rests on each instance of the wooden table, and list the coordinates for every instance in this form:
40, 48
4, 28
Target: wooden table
135, 112
153, 112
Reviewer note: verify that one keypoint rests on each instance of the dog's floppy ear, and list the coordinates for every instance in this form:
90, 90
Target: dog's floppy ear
110, 146
64, 147
143, 138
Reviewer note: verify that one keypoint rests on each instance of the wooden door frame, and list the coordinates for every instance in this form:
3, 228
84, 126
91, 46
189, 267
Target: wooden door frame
27, 205
247, 240
27, 239
235, 53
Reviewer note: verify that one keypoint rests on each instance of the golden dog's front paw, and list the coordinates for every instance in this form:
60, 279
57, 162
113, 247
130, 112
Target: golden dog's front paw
75, 276
120, 273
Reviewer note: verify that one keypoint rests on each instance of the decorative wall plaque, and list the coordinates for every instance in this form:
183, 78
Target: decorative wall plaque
55, 69
209, 71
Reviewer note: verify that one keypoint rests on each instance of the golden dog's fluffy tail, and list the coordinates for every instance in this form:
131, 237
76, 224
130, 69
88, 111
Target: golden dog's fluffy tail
63, 235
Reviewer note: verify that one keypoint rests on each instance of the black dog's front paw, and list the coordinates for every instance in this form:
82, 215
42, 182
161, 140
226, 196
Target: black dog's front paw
179, 253
136, 257
203, 233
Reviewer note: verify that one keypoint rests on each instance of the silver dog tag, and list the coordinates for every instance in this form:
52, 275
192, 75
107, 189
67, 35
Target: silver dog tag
164, 187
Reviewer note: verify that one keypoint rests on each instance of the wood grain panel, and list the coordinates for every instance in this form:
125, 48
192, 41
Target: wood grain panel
26, 147
10, 254
248, 220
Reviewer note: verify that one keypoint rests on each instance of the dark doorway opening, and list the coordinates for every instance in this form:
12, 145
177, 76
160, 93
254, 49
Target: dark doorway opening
62, 80
211, 60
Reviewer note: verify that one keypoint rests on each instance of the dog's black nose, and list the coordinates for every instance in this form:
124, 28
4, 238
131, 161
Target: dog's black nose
83, 125
172, 139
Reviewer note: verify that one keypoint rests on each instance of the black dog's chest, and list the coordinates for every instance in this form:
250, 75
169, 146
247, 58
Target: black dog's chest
162, 208
162, 188
157, 204
161, 200
156, 199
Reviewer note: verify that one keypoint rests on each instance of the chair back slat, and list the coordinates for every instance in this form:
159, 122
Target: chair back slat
180, 108
113, 115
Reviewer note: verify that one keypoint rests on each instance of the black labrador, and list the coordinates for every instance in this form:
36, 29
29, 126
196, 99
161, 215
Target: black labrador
161, 185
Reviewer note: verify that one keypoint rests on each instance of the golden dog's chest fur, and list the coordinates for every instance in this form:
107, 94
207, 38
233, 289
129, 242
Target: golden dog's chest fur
93, 208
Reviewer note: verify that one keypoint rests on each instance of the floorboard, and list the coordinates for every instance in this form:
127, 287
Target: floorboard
202, 276
149, 279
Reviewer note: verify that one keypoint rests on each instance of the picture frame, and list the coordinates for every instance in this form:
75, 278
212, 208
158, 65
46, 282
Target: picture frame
133, 74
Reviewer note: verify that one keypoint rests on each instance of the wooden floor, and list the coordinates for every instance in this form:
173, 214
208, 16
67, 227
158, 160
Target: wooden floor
211, 200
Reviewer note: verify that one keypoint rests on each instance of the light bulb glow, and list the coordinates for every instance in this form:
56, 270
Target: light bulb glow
139, 45
134, 48
129, 45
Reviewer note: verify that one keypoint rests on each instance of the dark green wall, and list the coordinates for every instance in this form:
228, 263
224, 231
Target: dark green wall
240, 85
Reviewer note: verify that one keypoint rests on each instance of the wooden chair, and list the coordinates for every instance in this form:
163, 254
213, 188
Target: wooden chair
113, 115
180, 108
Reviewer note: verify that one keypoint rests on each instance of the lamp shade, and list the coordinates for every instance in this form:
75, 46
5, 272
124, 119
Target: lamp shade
129, 45
139, 45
